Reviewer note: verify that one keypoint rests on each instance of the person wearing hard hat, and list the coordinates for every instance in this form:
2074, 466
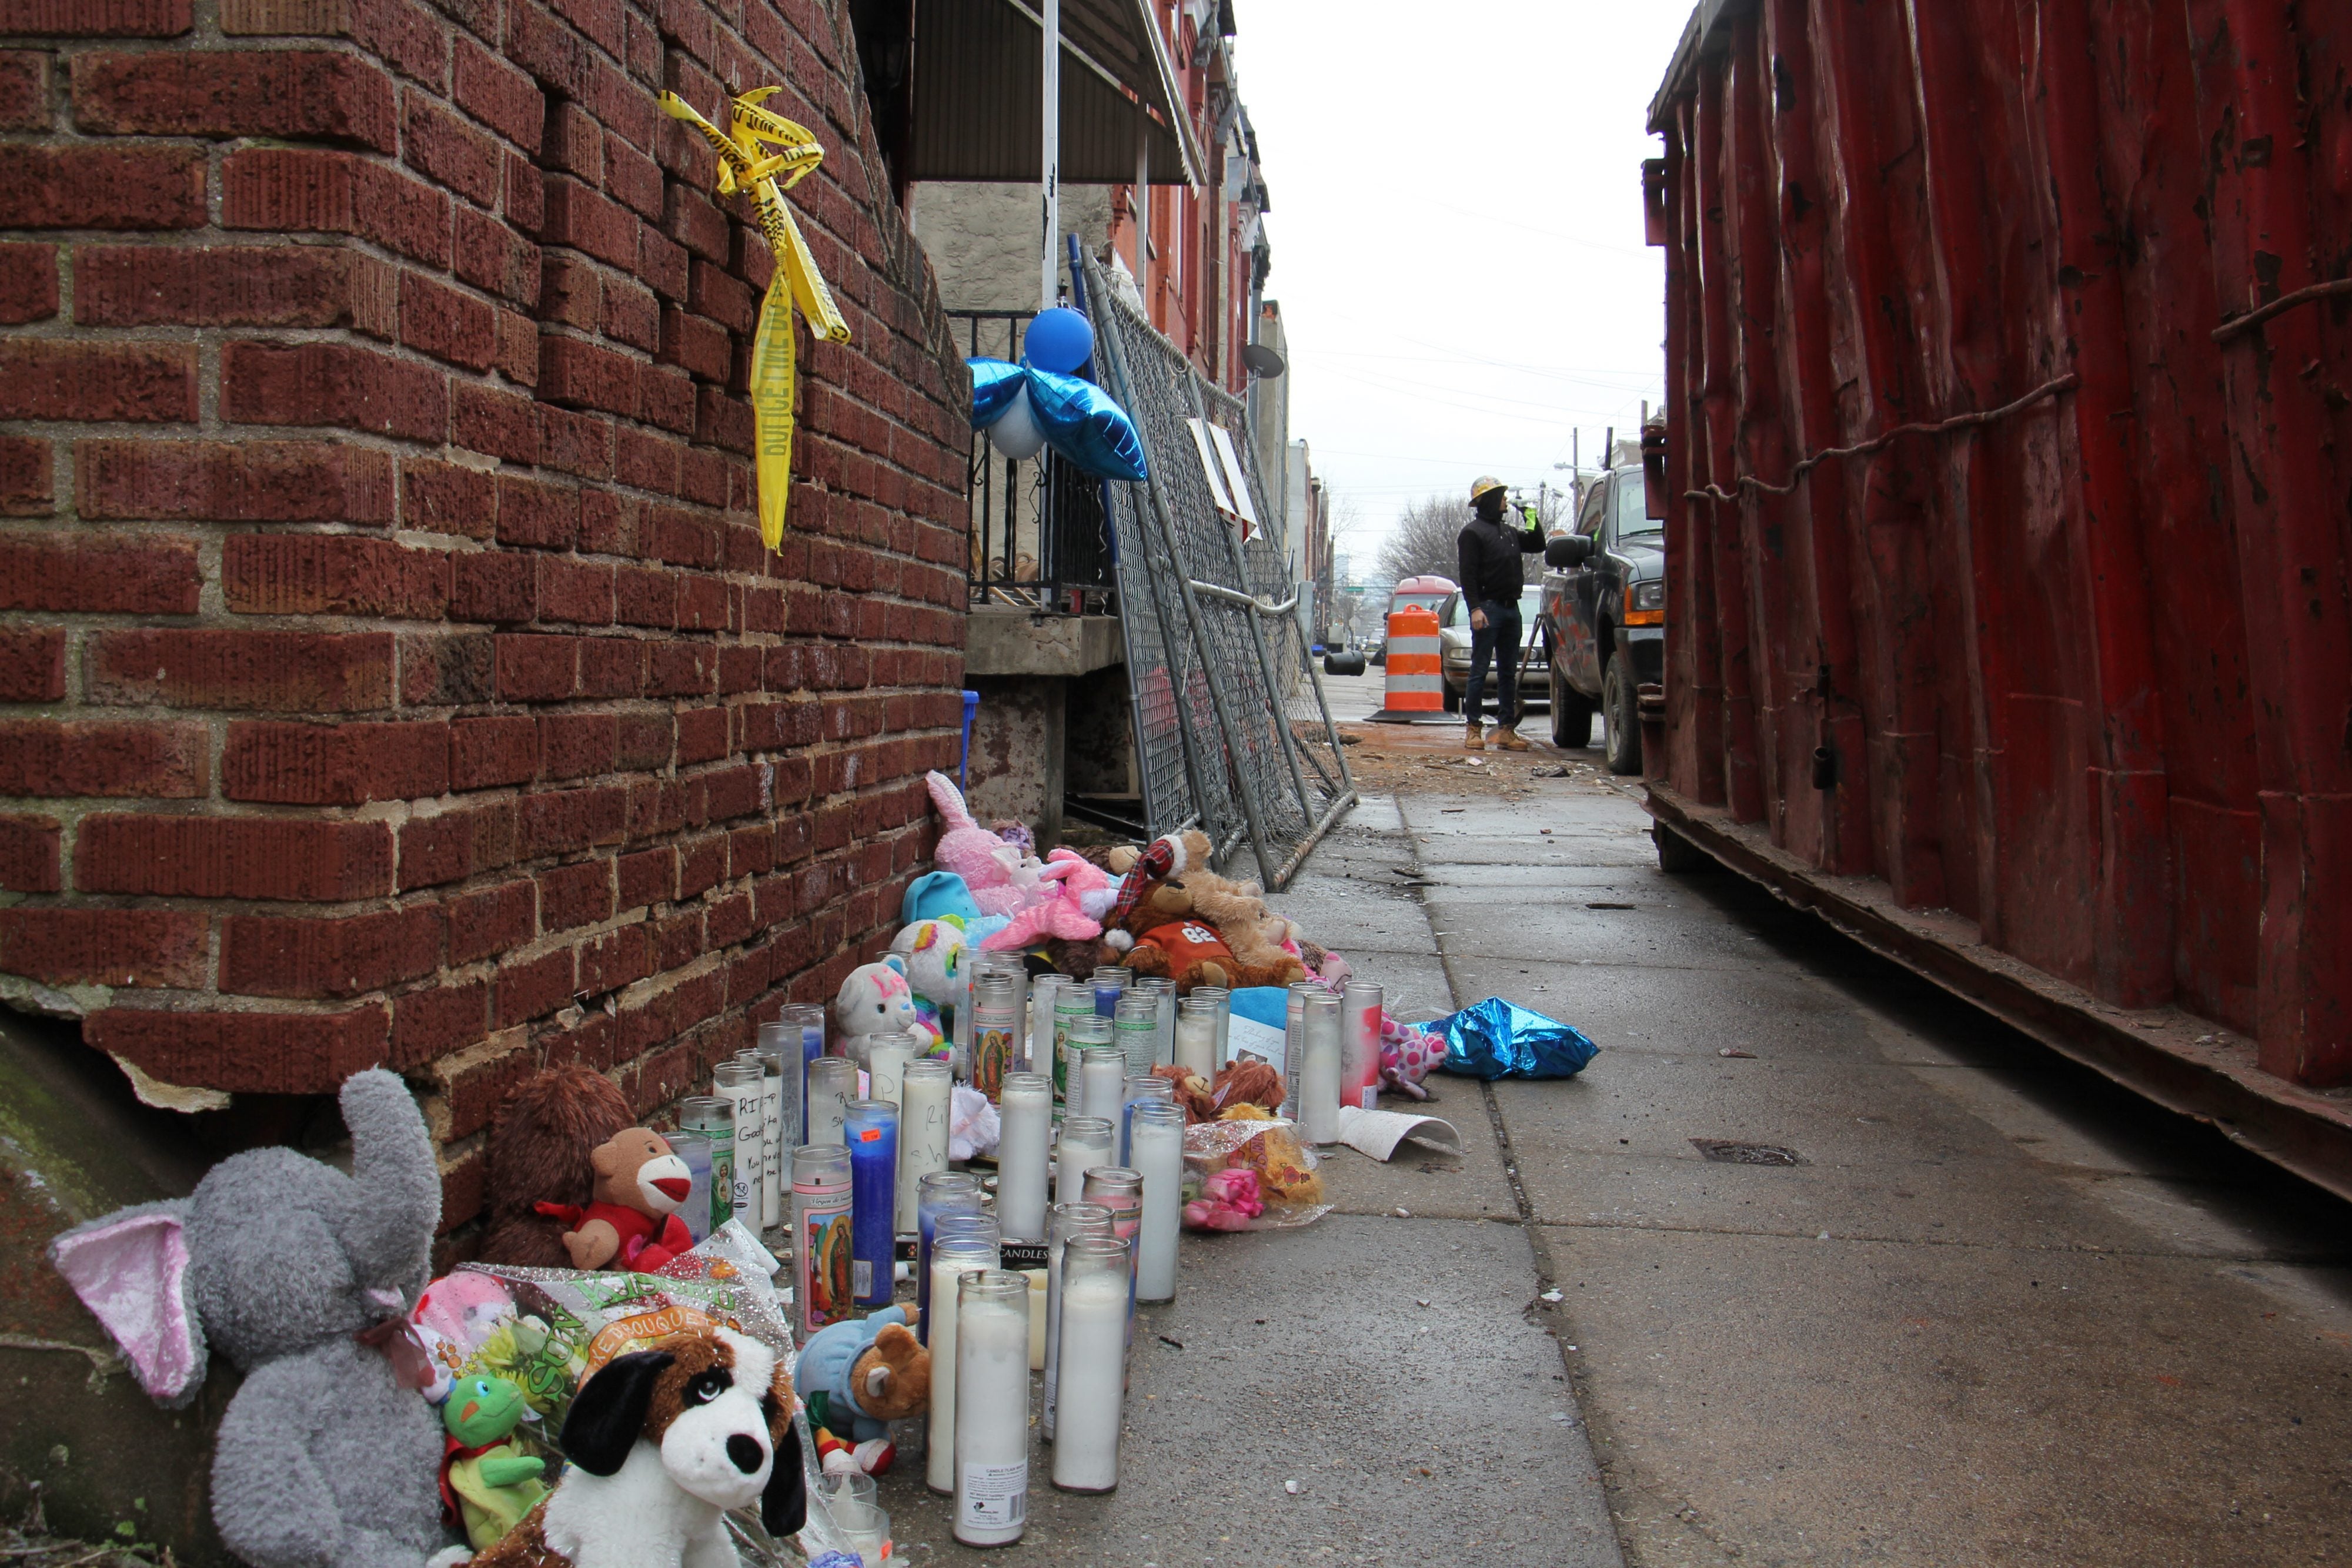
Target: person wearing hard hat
1488, 554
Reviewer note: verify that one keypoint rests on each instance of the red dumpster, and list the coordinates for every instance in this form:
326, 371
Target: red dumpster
2049, 685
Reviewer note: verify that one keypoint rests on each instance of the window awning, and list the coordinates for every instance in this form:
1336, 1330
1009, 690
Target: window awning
976, 91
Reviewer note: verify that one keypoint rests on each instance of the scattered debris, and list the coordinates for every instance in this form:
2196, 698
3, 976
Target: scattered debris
1734, 1050
1291, 1487
1612, 906
1727, 1152
1177, 1342
1553, 1296
1548, 770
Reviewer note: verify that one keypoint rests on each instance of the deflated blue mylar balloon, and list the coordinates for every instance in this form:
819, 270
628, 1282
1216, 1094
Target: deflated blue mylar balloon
1497, 1039
1078, 418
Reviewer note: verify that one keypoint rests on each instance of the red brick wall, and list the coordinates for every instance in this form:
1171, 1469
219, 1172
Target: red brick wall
390, 669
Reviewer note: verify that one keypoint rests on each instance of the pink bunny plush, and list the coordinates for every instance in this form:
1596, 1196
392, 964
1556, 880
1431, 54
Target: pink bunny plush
1003, 880
1072, 880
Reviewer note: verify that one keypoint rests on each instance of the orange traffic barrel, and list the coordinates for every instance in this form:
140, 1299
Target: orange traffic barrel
1416, 688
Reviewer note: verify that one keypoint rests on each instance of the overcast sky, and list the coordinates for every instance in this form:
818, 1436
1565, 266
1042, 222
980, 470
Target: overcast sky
1457, 225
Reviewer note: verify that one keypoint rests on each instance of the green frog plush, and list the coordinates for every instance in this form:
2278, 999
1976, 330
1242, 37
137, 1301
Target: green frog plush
488, 1482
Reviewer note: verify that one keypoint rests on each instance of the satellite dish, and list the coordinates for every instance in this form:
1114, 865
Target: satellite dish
1261, 361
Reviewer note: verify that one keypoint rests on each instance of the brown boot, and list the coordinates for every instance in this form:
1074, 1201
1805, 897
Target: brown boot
1474, 738
1508, 739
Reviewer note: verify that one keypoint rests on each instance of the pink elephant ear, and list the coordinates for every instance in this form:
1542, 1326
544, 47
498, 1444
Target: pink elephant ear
130, 1270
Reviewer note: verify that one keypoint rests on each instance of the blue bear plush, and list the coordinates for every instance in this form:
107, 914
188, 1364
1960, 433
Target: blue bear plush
859, 1377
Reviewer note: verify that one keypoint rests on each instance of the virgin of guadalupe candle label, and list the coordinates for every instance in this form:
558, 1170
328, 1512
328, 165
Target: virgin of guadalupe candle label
995, 1495
992, 1058
826, 1242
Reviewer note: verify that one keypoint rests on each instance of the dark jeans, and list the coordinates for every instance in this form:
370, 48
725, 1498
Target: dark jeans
1500, 643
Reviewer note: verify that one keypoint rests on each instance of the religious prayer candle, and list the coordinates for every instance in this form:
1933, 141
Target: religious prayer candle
1118, 1188
1157, 1151
995, 1035
939, 1193
823, 1281
743, 1087
1136, 1091
1087, 1142
960, 1020
1102, 1076
1074, 1004
1044, 993
1319, 1075
1110, 983
951, 1258
1091, 1372
694, 1148
1068, 1220
833, 1084
887, 1056
1026, 1121
1360, 1062
871, 1127
992, 1418
769, 1052
1196, 1037
923, 1123
1163, 992
805, 1019
1135, 1030
713, 1115
1224, 998
1294, 1043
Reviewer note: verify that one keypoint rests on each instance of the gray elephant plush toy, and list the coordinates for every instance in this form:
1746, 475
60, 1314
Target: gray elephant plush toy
326, 1458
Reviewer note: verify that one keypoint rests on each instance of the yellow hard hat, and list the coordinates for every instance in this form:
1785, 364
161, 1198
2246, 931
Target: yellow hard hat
1481, 485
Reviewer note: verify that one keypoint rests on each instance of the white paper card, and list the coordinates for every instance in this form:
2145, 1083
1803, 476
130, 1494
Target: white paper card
1377, 1133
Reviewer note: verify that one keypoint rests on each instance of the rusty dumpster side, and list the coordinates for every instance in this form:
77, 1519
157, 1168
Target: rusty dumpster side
2056, 674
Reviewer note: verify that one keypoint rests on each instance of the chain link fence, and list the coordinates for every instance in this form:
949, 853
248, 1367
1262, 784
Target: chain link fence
1231, 732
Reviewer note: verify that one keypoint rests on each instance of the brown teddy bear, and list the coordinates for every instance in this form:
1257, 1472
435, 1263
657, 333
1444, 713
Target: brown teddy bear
1162, 934
632, 1222
539, 1151
1238, 911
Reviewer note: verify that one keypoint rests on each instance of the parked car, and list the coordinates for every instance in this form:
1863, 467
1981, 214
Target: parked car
1454, 652
1428, 591
1604, 609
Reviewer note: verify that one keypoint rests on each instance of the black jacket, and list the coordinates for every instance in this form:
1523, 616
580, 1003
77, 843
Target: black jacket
1487, 560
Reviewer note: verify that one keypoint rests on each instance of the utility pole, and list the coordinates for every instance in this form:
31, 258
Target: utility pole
1049, 267
1575, 471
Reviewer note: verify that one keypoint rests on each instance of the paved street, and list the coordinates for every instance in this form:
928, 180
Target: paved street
1998, 1312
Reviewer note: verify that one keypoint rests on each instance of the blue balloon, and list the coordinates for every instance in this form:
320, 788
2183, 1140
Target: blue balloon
1059, 340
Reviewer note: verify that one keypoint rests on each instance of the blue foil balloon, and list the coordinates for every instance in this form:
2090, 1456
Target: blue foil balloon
1078, 418
1059, 340
1497, 1039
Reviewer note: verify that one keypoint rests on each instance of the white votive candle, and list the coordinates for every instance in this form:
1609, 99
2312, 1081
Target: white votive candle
832, 1085
1092, 1364
1318, 1074
992, 1417
1025, 1112
1196, 1038
1087, 1142
1156, 1148
1102, 1078
887, 1056
922, 1130
1068, 1220
1043, 992
1037, 1277
952, 1257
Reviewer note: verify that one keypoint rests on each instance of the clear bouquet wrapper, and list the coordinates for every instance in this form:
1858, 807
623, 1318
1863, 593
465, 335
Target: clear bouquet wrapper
1284, 1190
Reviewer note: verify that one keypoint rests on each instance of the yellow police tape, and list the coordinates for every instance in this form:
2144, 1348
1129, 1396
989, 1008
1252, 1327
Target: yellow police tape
746, 165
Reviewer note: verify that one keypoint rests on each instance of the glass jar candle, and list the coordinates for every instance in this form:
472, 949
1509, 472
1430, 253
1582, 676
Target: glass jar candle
1223, 1011
952, 1257
713, 1117
1074, 1004
1044, 991
1319, 1068
1102, 1076
937, 1194
768, 1051
1196, 1036
991, 1404
807, 1022
1087, 1142
823, 1281
1135, 1030
871, 1127
1156, 1152
1163, 992
1361, 1004
922, 1123
1110, 983
1069, 1219
1294, 1041
833, 1084
1136, 1091
745, 1090
694, 1148
1026, 1119
885, 1057
1091, 1371
994, 1033
1118, 1188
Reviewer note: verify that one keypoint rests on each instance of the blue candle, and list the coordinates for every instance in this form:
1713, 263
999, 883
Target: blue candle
808, 1018
871, 1130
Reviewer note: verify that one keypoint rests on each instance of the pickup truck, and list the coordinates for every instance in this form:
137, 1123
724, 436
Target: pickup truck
1604, 614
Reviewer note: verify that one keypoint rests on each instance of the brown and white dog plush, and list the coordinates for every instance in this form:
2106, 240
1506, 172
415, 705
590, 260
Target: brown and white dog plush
664, 1442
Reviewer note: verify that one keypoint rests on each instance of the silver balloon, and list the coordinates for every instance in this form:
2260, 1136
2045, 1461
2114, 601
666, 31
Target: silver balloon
1016, 433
